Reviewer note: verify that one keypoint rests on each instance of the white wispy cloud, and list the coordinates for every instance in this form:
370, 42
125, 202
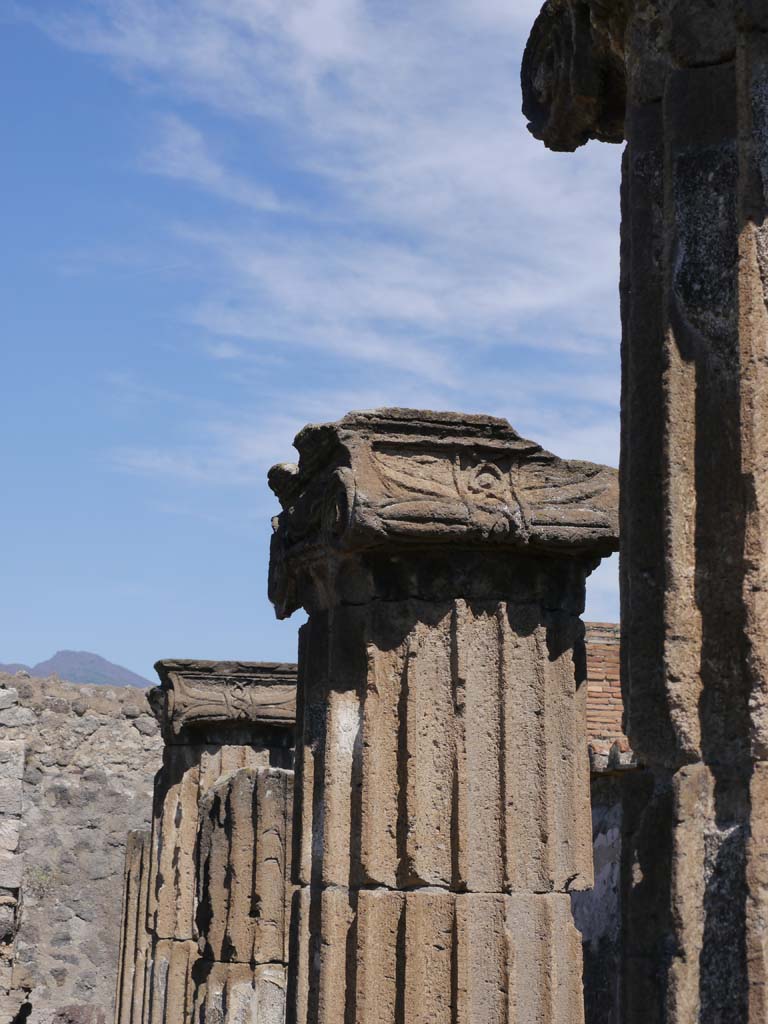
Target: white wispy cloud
227, 453
409, 117
181, 153
432, 245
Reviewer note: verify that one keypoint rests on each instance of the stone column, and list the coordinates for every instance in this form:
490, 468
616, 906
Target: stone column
230, 725
243, 898
442, 778
134, 937
686, 83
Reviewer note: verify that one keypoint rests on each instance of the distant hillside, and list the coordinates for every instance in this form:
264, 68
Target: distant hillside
81, 667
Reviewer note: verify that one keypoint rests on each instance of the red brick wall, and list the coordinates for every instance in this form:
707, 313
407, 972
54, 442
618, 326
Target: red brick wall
604, 704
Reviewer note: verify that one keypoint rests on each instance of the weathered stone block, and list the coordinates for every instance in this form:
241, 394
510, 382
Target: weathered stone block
411, 795
232, 993
8, 697
170, 981
13, 716
757, 895
244, 860
203, 696
11, 760
11, 869
435, 957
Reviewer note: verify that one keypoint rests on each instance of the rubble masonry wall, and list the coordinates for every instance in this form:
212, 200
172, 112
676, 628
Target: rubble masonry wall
76, 770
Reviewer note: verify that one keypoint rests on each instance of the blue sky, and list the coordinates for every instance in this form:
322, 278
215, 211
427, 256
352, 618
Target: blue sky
223, 220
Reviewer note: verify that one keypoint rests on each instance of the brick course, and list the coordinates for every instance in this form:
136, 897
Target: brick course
605, 707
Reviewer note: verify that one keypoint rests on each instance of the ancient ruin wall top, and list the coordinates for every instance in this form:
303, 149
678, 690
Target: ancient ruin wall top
198, 695
397, 478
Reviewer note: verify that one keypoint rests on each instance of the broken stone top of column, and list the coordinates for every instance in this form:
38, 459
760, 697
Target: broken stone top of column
401, 477
573, 76
584, 57
198, 695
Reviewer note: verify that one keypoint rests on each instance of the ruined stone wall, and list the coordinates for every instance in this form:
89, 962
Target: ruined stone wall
76, 771
76, 774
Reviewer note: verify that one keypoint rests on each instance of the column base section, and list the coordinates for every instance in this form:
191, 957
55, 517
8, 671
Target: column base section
238, 994
430, 956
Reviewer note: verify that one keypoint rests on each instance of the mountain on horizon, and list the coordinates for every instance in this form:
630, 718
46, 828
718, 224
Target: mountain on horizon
80, 667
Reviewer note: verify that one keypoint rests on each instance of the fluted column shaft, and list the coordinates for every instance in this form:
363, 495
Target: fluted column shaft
442, 778
134, 936
207, 892
444, 814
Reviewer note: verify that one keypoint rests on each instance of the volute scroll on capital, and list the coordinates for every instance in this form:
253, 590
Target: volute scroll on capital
398, 479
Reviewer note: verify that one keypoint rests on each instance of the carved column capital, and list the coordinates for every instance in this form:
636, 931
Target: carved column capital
207, 699
395, 481
573, 75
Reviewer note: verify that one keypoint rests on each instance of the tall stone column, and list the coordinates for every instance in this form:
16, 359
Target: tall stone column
220, 827
686, 83
442, 779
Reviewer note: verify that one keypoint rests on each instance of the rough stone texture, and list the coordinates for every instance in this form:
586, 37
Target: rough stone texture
205, 918
442, 778
239, 994
694, 471
492, 799
188, 775
435, 956
196, 984
243, 884
573, 76
76, 768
